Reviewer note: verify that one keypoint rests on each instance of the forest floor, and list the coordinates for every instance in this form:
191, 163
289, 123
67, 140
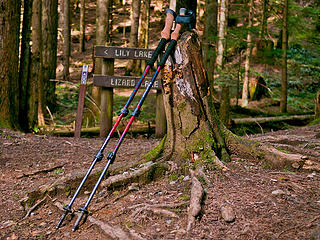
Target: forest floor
268, 203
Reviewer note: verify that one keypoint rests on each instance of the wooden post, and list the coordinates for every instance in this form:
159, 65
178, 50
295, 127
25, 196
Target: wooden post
161, 121
106, 100
317, 105
82, 94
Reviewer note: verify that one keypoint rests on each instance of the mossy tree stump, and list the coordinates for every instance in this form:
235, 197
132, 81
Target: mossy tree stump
193, 125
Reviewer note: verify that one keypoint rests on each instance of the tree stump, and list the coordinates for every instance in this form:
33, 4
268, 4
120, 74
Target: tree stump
193, 125
258, 88
194, 130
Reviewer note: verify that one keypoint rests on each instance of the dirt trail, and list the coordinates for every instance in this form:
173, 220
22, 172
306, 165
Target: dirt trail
268, 203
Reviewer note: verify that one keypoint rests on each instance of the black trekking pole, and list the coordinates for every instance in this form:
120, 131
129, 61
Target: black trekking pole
165, 36
112, 155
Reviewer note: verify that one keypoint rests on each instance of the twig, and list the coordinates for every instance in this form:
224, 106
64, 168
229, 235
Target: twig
259, 126
51, 116
285, 231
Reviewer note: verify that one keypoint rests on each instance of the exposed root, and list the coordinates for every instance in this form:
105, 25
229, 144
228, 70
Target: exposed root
200, 173
219, 163
197, 194
145, 174
156, 209
280, 159
35, 207
112, 231
40, 171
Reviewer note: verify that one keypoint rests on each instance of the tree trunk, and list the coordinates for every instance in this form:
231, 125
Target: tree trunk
36, 89
102, 26
9, 58
210, 32
192, 122
133, 40
225, 98
49, 40
67, 38
245, 89
284, 80
143, 41
221, 32
25, 62
264, 19
82, 26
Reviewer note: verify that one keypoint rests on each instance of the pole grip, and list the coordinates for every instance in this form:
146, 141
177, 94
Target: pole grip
173, 42
177, 29
167, 53
165, 36
157, 51
170, 17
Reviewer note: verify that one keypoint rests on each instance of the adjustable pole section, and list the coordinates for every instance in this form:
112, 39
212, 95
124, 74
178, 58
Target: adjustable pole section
112, 155
165, 34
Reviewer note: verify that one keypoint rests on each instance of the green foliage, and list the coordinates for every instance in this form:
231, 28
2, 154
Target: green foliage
58, 171
148, 112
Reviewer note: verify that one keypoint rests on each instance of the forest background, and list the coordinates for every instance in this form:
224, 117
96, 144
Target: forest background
244, 47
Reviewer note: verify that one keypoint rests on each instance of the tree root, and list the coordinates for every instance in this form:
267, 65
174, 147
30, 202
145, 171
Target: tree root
145, 174
40, 171
219, 163
197, 193
280, 159
35, 207
156, 209
114, 232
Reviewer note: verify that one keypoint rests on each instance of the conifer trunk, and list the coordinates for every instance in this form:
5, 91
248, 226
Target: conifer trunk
210, 32
143, 40
35, 114
284, 76
245, 89
133, 39
82, 26
25, 62
9, 57
67, 38
49, 64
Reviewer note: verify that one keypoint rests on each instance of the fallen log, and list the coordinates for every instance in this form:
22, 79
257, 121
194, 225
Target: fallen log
271, 119
95, 131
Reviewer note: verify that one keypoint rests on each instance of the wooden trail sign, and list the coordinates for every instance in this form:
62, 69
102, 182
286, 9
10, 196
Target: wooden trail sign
82, 93
122, 53
123, 82
107, 82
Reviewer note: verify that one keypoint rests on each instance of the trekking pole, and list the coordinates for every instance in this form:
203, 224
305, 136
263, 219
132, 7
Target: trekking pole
165, 36
112, 155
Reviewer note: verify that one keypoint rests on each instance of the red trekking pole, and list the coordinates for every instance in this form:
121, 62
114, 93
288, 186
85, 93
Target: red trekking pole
112, 155
165, 36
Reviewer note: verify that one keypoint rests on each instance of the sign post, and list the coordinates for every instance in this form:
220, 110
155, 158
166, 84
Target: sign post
82, 93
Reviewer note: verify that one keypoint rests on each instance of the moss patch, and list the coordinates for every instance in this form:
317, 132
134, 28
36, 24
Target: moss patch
156, 152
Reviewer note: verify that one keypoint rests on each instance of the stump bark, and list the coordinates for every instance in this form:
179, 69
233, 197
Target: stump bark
193, 125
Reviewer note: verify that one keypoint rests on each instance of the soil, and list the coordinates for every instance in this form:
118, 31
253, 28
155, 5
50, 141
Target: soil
267, 203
